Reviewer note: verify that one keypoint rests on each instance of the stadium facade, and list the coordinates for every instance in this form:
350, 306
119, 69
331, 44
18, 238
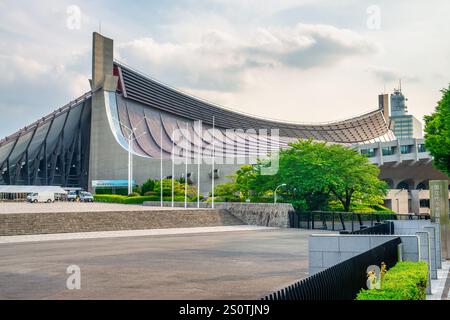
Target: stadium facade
90, 139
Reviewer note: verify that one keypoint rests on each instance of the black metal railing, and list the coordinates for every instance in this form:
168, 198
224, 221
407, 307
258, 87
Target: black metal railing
342, 281
344, 221
386, 227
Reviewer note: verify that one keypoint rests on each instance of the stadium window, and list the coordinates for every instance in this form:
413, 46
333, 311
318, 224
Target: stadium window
424, 203
388, 151
368, 152
421, 148
405, 149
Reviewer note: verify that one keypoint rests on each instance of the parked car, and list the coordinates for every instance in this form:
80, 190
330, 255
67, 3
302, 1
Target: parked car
86, 197
41, 197
72, 196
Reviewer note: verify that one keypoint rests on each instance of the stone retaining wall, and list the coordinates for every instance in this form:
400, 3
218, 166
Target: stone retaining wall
259, 214
66, 222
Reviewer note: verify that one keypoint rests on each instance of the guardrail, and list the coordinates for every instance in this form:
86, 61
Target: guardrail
344, 221
379, 228
342, 281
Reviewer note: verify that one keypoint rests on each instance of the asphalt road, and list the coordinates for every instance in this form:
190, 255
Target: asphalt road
224, 265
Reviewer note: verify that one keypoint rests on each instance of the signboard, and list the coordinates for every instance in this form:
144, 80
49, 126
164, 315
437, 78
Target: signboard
111, 183
440, 212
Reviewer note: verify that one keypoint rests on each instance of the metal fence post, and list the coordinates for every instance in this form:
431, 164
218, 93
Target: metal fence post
353, 222
332, 224
400, 252
342, 221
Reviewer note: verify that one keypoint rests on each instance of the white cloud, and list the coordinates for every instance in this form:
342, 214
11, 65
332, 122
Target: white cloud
220, 60
15, 68
30, 89
390, 75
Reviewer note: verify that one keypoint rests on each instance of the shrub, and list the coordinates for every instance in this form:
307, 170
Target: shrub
151, 193
222, 199
134, 194
137, 189
111, 198
380, 208
359, 208
148, 186
139, 199
405, 281
103, 190
116, 191
167, 188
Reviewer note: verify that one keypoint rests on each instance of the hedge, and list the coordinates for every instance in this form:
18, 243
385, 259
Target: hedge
115, 191
111, 198
405, 281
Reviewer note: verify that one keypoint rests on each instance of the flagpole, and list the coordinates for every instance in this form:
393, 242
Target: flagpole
198, 166
186, 168
173, 171
213, 158
130, 165
161, 164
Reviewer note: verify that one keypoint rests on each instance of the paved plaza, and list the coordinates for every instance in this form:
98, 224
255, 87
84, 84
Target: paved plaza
440, 287
213, 265
25, 207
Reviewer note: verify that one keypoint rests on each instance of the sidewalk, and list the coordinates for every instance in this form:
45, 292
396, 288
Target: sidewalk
126, 233
440, 286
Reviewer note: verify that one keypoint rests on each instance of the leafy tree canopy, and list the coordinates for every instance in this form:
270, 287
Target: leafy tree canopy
437, 133
315, 173
179, 188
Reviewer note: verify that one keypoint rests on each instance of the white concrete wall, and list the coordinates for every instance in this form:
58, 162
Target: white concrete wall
326, 250
420, 242
411, 227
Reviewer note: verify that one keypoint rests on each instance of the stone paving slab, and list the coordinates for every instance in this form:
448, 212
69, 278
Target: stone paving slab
126, 233
213, 265
440, 286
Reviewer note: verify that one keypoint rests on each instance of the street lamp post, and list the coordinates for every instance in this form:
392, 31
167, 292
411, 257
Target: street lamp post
130, 164
131, 136
275, 192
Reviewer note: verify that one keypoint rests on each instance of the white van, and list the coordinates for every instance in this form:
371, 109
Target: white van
41, 197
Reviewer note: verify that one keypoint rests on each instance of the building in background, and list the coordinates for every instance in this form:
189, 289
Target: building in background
405, 164
404, 125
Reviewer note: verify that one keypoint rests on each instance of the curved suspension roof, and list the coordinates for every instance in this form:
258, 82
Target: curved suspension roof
143, 89
139, 96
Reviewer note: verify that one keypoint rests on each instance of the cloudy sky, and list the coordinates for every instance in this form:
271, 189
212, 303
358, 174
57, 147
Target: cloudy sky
296, 60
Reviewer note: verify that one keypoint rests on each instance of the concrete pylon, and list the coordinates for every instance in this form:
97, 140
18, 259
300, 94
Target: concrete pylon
440, 212
104, 151
415, 201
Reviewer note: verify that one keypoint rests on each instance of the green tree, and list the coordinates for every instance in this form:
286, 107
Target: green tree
303, 167
437, 133
147, 186
244, 180
250, 183
353, 177
315, 173
178, 188
228, 191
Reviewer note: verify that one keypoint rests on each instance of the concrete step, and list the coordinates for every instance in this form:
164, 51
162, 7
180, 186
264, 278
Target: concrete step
69, 222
